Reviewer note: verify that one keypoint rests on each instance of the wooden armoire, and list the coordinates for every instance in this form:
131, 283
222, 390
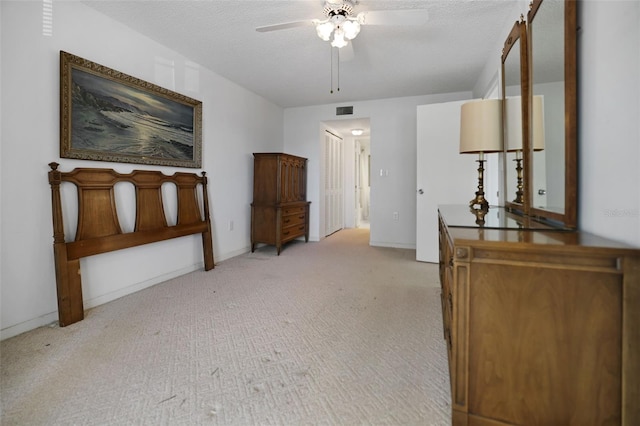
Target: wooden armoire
280, 210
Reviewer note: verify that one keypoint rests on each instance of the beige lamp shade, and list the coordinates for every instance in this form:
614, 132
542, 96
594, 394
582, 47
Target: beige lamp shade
538, 123
513, 124
481, 126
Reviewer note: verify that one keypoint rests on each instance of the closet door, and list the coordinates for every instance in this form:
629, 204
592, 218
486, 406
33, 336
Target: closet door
333, 190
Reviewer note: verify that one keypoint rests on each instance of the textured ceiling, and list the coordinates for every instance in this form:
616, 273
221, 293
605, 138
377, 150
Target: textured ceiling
292, 67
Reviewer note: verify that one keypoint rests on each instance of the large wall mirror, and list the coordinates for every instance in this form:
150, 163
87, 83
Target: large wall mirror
553, 131
514, 94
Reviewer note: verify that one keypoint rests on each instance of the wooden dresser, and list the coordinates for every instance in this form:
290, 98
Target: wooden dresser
542, 326
280, 210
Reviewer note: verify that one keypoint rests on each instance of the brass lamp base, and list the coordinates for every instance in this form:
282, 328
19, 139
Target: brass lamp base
519, 186
479, 200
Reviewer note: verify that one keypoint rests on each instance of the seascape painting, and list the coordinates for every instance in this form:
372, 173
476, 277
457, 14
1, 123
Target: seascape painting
114, 117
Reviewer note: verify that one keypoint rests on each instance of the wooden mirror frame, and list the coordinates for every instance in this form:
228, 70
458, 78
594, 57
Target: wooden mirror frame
518, 33
569, 218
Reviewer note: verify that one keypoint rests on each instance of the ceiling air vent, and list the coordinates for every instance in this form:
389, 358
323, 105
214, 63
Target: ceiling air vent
348, 110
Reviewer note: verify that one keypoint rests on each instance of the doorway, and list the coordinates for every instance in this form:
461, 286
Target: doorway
345, 190
362, 182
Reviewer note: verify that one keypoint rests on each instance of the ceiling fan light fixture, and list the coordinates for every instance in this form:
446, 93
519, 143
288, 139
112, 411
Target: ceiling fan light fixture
324, 30
338, 38
357, 132
351, 29
339, 22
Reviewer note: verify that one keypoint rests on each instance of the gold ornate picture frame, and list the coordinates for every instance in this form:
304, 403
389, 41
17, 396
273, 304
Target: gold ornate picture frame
106, 115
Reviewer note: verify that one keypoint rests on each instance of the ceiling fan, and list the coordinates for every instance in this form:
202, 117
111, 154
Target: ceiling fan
341, 22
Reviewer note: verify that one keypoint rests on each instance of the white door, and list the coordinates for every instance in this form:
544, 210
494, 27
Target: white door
333, 191
444, 176
539, 179
358, 182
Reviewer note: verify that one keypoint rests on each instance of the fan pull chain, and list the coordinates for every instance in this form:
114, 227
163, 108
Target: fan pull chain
331, 67
338, 68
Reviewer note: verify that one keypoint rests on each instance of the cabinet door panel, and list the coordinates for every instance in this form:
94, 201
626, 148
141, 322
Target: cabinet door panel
544, 340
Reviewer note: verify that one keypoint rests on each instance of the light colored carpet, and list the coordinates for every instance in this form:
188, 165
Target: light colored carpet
328, 333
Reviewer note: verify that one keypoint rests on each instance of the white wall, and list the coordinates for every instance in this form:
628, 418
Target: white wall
1, 179
608, 115
236, 123
609, 119
393, 150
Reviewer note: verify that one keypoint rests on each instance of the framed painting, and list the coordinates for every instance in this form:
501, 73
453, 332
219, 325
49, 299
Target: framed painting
106, 115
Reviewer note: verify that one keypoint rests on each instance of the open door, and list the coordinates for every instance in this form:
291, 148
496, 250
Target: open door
444, 176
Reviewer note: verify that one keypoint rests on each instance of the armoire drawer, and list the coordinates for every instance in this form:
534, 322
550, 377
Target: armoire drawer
286, 211
293, 219
292, 232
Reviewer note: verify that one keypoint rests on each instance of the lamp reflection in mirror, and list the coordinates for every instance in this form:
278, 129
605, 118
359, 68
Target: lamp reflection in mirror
513, 133
480, 133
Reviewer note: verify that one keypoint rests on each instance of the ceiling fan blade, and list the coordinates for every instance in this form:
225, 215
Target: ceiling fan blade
394, 17
286, 25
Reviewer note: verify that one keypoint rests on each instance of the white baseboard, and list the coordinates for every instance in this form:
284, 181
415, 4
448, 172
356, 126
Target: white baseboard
392, 245
31, 324
231, 254
52, 317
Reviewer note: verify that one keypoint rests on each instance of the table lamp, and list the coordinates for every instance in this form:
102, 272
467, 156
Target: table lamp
480, 133
513, 133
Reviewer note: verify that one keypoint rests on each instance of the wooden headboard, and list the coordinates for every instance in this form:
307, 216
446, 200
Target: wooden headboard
99, 230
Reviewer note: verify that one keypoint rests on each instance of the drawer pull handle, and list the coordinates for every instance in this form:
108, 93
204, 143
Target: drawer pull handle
285, 233
301, 228
301, 217
451, 262
287, 220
